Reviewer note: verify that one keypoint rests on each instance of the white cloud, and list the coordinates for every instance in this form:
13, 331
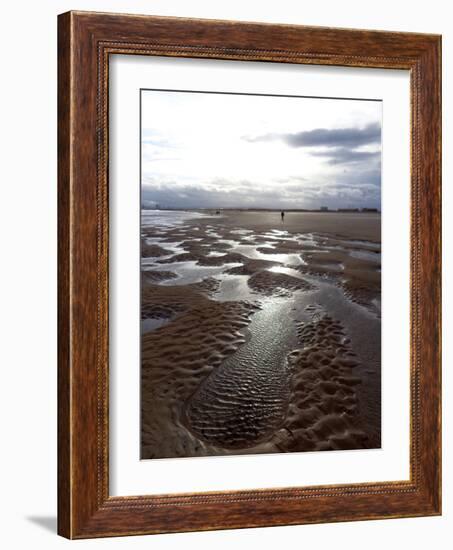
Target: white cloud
194, 153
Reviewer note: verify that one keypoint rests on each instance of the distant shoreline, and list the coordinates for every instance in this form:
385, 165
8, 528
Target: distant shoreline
319, 211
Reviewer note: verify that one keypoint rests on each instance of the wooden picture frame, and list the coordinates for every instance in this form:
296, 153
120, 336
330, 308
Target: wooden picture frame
85, 41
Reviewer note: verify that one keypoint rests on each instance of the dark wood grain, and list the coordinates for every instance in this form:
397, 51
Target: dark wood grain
85, 42
64, 367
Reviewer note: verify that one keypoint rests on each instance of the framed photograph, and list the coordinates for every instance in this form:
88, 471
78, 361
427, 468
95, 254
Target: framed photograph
249, 275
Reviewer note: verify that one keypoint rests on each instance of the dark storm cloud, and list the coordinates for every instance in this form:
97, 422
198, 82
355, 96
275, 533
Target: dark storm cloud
352, 138
347, 189
211, 194
342, 155
357, 180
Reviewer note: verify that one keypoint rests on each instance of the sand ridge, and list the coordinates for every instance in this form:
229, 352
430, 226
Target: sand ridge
280, 284
323, 409
177, 357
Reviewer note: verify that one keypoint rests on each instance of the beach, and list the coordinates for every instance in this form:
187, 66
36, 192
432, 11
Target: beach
259, 335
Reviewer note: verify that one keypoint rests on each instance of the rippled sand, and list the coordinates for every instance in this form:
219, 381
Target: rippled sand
259, 336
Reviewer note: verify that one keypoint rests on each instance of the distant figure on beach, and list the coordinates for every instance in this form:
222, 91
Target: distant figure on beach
283, 216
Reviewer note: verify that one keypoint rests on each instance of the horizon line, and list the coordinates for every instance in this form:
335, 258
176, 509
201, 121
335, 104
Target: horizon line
226, 208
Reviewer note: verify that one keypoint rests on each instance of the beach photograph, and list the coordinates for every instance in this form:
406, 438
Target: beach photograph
260, 272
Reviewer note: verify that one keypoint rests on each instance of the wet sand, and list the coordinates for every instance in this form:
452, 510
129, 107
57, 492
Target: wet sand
362, 226
259, 336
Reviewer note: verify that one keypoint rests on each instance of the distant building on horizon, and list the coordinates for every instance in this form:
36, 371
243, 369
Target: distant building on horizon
370, 210
324, 208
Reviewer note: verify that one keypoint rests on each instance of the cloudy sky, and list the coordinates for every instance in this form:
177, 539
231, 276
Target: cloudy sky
204, 150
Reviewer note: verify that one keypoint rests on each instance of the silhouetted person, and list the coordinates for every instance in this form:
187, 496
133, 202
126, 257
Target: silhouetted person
283, 216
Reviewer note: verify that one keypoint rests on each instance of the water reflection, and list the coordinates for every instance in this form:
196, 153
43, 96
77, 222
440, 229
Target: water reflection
250, 251
190, 272
147, 325
365, 255
234, 288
